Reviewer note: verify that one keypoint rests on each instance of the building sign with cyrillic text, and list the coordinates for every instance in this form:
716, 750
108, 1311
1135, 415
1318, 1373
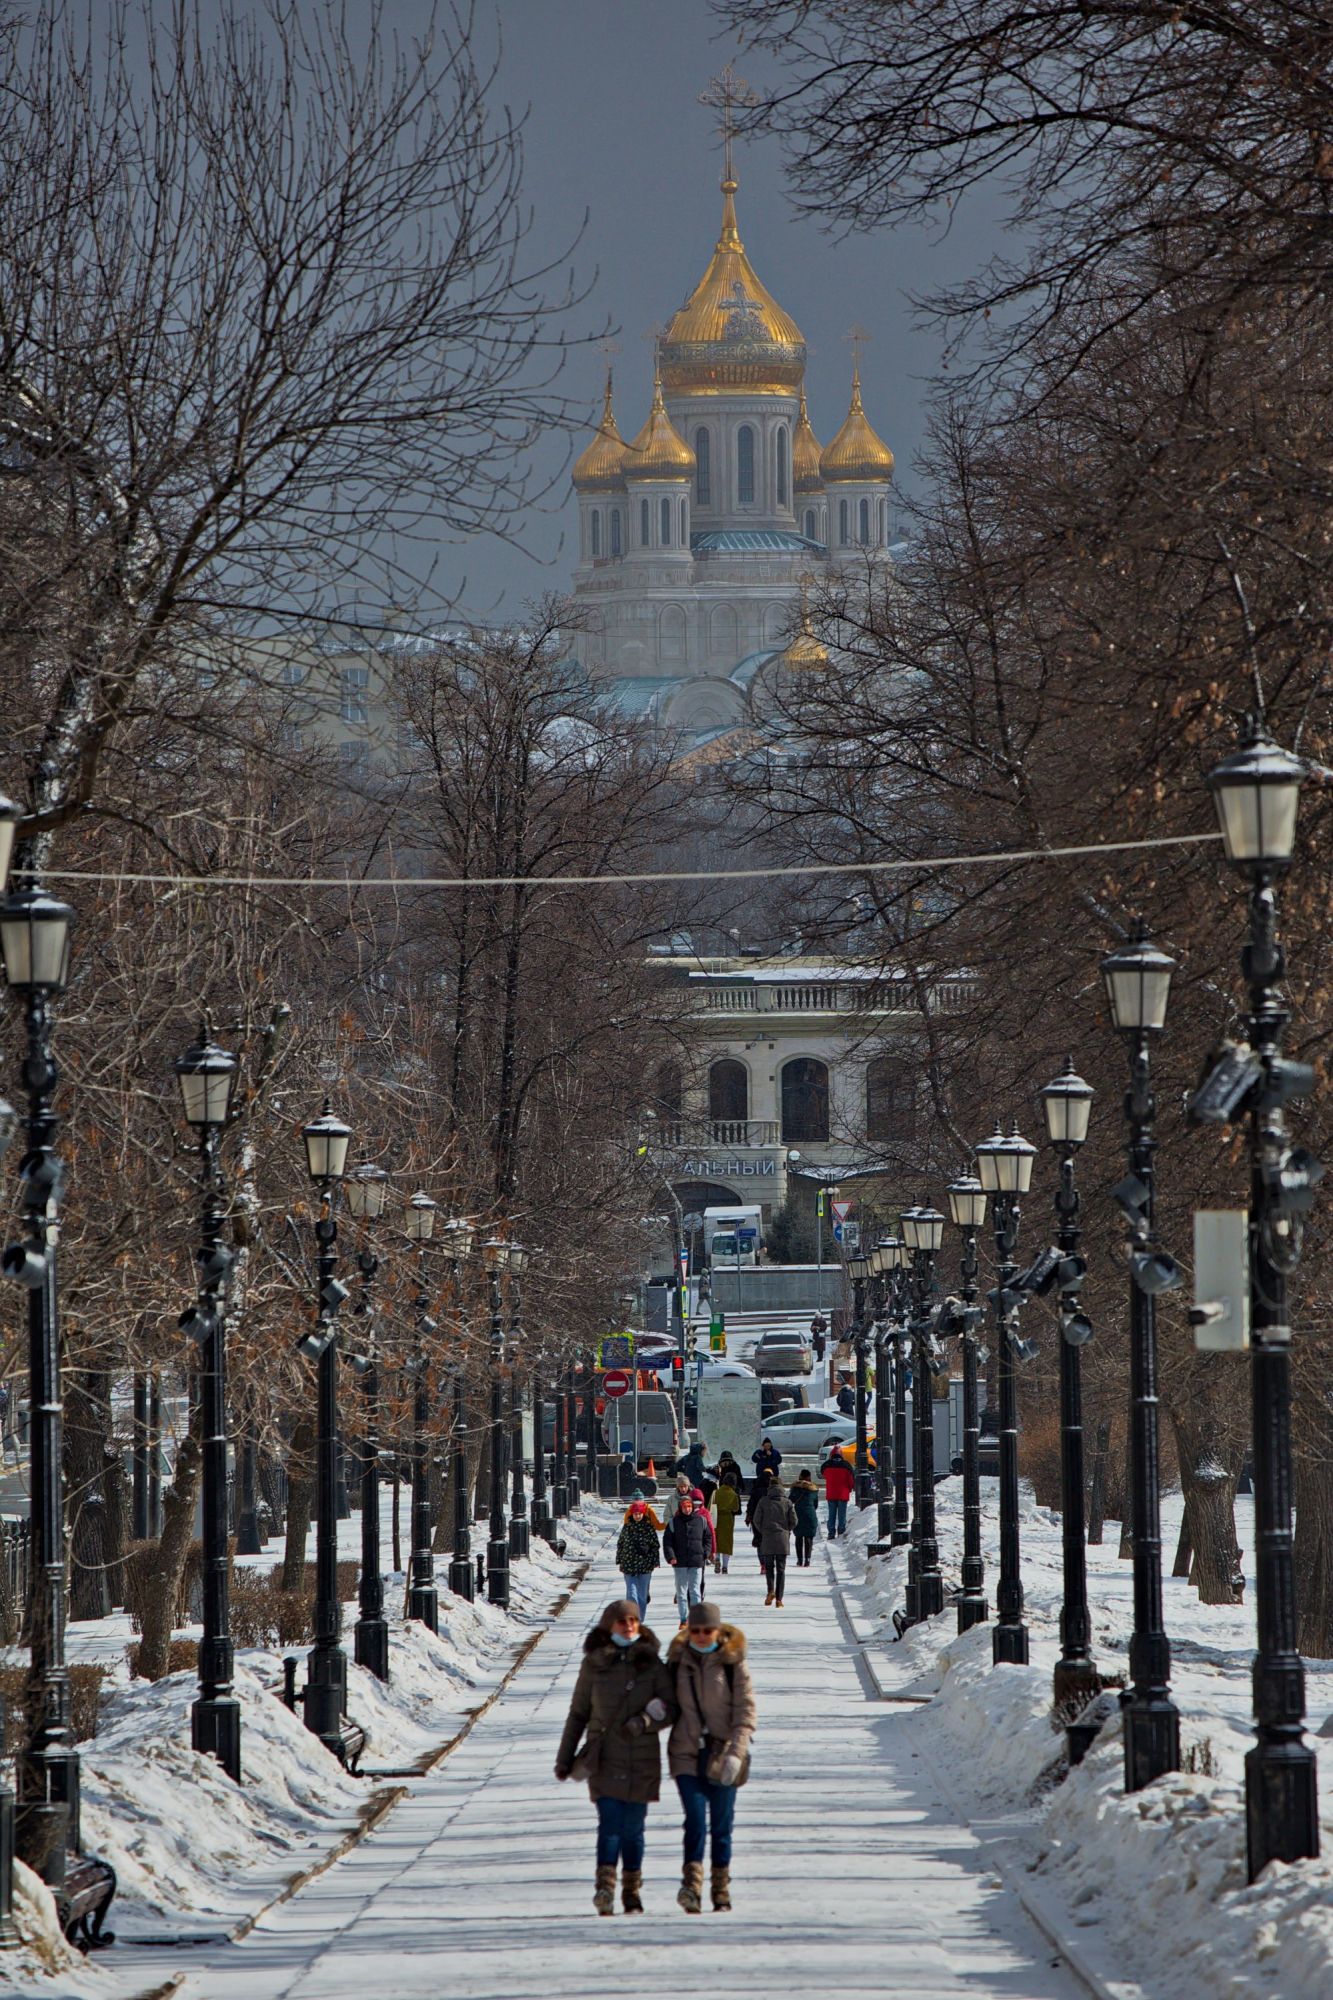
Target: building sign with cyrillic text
724, 1170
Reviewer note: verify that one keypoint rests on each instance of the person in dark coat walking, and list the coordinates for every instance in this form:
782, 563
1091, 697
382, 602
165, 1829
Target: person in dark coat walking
623, 1700
846, 1399
638, 1552
709, 1750
839, 1486
688, 1546
774, 1523
692, 1462
767, 1459
804, 1498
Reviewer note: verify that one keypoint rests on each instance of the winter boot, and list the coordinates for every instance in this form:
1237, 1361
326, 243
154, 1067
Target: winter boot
722, 1888
769, 1598
631, 1892
690, 1894
604, 1898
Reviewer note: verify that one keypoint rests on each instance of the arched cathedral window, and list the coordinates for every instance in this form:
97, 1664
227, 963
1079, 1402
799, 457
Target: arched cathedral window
665, 511
703, 468
865, 523
810, 534
844, 526
745, 466
783, 464
616, 548
645, 525
596, 532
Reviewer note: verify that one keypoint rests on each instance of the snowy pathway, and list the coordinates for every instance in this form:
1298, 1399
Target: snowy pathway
850, 1875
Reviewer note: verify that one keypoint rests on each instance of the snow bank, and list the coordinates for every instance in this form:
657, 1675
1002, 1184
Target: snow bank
1150, 1888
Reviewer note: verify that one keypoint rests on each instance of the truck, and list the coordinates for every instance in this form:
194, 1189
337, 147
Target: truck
732, 1235
730, 1412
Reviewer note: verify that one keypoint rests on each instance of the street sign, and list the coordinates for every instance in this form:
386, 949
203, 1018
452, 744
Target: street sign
615, 1383
848, 1234
841, 1210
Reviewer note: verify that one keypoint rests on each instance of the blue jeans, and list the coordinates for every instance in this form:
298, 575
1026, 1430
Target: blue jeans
637, 1588
837, 1517
689, 1589
620, 1833
703, 1802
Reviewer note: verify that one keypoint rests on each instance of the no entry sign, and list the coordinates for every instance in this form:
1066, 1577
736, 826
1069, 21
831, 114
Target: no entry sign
615, 1382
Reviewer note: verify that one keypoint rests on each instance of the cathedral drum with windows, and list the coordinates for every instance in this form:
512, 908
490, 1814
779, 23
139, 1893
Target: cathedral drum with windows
698, 538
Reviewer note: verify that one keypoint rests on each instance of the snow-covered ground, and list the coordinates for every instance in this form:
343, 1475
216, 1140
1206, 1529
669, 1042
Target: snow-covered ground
1150, 1890
196, 1856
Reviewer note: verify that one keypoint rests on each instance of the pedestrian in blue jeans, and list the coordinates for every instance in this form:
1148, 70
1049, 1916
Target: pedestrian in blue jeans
637, 1552
622, 1702
839, 1485
709, 1751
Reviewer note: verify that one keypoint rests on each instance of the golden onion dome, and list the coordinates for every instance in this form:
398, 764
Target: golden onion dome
805, 473
805, 654
731, 334
600, 467
856, 452
659, 451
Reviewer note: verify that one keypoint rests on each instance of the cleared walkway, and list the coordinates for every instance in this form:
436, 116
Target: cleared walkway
850, 1877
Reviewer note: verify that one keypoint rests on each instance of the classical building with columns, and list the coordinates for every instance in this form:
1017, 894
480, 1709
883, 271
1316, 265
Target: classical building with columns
699, 536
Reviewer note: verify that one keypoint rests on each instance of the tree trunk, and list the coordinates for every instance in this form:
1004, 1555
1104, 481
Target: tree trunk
1313, 1426
87, 1435
167, 1571
1126, 1552
1209, 1466
1184, 1547
397, 1517
300, 1502
1097, 1494
442, 1500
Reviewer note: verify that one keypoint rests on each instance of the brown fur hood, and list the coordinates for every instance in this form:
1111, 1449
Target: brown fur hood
730, 1645
599, 1645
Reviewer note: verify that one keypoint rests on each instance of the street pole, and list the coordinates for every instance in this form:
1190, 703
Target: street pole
1138, 979
496, 1255
858, 1270
572, 1435
1004, 1168
967, 1206
458, 1236
1257, 792
325, 1694
34, 935
541, 1506
519, 1535
1067, 1103
367, 1192
923, 1231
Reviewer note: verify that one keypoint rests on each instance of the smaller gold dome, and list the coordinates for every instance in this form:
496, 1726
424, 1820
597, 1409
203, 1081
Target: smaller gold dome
600, 468
659, 451
856, 452
805, 654
805, 473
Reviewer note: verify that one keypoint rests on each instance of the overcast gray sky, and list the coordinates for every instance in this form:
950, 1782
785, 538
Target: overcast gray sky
616, 129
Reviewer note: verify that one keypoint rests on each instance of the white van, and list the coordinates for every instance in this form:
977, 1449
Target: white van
659, 1435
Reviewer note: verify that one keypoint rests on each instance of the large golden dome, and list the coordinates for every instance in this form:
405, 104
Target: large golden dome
659, 451
805, 474
600, 468
731, 334
856, 452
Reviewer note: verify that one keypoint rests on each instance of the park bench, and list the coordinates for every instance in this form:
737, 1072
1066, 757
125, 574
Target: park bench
84, 1898
351, 1736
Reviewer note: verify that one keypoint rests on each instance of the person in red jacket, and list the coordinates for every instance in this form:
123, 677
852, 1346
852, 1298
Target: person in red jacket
839, 1485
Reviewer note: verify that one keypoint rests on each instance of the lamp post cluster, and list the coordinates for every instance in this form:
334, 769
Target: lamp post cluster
1256, 794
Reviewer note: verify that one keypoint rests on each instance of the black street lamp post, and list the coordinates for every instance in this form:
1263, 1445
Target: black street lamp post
1004, 1168
923, 1232
967, 1210
572, 1436
1257, 792
34, 938
1067, 1102
367, 1193
458, 1235
205, 1074
902, 1309
325, 1695
519, 1534
559, 1412
423, 1601
1138, 982
889, 1258
495, 1253
858, 1270
542, 1517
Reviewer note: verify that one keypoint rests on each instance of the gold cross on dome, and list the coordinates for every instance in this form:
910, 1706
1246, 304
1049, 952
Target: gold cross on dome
724, 94
857, 338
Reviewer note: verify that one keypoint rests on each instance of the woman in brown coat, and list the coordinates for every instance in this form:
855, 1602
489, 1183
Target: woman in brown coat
622, 1701
709, 1752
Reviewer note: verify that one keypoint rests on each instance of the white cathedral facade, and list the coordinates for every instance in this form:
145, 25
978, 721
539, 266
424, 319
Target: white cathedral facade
698, 538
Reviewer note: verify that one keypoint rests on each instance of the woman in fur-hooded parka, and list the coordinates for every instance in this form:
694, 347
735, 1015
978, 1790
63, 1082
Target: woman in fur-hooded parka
715, 1699
614, 1687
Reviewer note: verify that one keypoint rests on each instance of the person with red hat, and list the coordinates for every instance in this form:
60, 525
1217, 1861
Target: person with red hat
637, 1552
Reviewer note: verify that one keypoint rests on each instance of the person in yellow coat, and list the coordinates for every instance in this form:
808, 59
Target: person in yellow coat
726, 1506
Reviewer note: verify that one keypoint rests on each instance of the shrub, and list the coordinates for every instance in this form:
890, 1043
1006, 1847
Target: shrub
182, 1657
86, 1681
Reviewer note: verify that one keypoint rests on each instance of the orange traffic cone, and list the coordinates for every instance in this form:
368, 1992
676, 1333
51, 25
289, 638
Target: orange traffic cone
652, 1470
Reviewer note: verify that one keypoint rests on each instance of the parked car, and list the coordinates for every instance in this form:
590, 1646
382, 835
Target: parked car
783, 1353
659, 1434
715, 1366
804, 1433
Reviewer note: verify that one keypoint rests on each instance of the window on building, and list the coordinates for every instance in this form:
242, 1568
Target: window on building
596, 532
615, 532
810, 525
645, 527
844, 525
805, 1102
703, 468
865, 524
684, 524
669, 1098
665, 511
745, 466
352, 698
890, 1100
884, 524
784, 464
291, 674
354, 757
728, 1090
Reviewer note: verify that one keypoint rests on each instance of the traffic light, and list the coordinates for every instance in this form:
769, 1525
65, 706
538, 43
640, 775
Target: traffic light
678, 1367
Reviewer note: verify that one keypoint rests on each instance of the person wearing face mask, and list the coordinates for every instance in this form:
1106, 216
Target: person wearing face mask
708, 1754
623, 1700
637, 1552
687, 1545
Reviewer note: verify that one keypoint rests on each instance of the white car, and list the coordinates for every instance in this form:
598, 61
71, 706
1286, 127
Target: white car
717, 1365
804, 1433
